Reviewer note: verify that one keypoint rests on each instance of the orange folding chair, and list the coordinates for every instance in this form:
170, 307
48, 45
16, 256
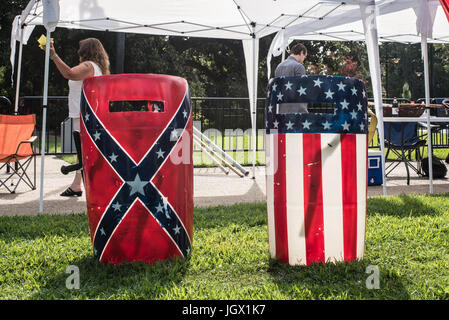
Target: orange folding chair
16, 152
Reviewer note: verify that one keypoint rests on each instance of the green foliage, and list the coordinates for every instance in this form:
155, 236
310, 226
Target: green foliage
406, 238
2, 81
406, 91
215, 67
403, 62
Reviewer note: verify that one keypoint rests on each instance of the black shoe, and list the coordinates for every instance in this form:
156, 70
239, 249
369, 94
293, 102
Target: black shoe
70, 193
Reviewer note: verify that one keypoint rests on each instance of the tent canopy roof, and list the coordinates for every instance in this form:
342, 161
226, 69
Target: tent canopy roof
228, 19
397, 26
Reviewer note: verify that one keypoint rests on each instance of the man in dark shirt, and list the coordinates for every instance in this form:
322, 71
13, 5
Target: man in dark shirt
292, 66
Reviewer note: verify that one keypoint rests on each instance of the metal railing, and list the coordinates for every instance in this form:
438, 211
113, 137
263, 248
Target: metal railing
224, 120
220, 119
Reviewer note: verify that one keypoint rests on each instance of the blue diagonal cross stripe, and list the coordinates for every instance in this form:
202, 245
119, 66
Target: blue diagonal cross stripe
137, 178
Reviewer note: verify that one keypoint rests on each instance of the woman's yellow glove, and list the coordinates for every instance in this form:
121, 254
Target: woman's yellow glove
372, 126
43, 41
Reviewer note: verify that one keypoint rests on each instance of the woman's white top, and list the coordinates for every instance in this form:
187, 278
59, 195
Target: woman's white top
75, 88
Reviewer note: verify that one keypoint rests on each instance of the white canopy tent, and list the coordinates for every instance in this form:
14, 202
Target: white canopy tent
246, 20
423, 21
398, 26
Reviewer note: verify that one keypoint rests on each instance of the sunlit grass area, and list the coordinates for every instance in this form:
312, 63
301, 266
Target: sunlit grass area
406, 240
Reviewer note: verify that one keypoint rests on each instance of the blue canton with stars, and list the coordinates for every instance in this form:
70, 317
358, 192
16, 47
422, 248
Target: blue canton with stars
137, 177
348, 95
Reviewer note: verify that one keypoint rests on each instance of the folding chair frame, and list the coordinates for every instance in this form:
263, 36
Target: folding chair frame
20, 169
401, 152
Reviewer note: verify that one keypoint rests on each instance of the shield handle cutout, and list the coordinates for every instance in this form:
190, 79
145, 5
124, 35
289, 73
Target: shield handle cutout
136, 106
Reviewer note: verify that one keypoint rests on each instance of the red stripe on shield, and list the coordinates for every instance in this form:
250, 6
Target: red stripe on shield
313, 198
349, 184
280, 201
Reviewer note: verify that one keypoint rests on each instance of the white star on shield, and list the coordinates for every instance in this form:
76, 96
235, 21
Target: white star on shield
159, 207
329, 94
174, 135
280, 95
301, 91
341, 86
344, 104
160, 153
137, 185
317, 82
306, 124
116, 206
113, 157
97, 135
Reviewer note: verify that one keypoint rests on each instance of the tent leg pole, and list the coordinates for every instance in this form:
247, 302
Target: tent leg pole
254, 102
427, 93
254, 147
19, 70
372, 47
44, 120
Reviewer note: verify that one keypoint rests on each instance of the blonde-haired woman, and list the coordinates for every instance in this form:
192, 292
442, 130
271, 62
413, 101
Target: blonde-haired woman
94, 61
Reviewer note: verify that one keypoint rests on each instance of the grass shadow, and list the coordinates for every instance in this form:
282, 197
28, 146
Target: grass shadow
41, 269
244, 214
14, 228
131, 280
414, 205
342, 280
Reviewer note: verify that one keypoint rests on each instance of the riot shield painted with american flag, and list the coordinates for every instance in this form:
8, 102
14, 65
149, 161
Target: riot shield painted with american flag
316, 169
136, 139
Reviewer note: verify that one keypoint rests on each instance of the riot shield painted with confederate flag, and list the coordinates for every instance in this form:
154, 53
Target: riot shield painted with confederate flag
136, 141
316, 169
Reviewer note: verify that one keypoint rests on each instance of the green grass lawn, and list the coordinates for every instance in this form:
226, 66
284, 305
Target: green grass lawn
407, 239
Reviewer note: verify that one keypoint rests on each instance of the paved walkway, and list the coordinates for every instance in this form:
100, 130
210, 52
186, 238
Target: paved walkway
211, 187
